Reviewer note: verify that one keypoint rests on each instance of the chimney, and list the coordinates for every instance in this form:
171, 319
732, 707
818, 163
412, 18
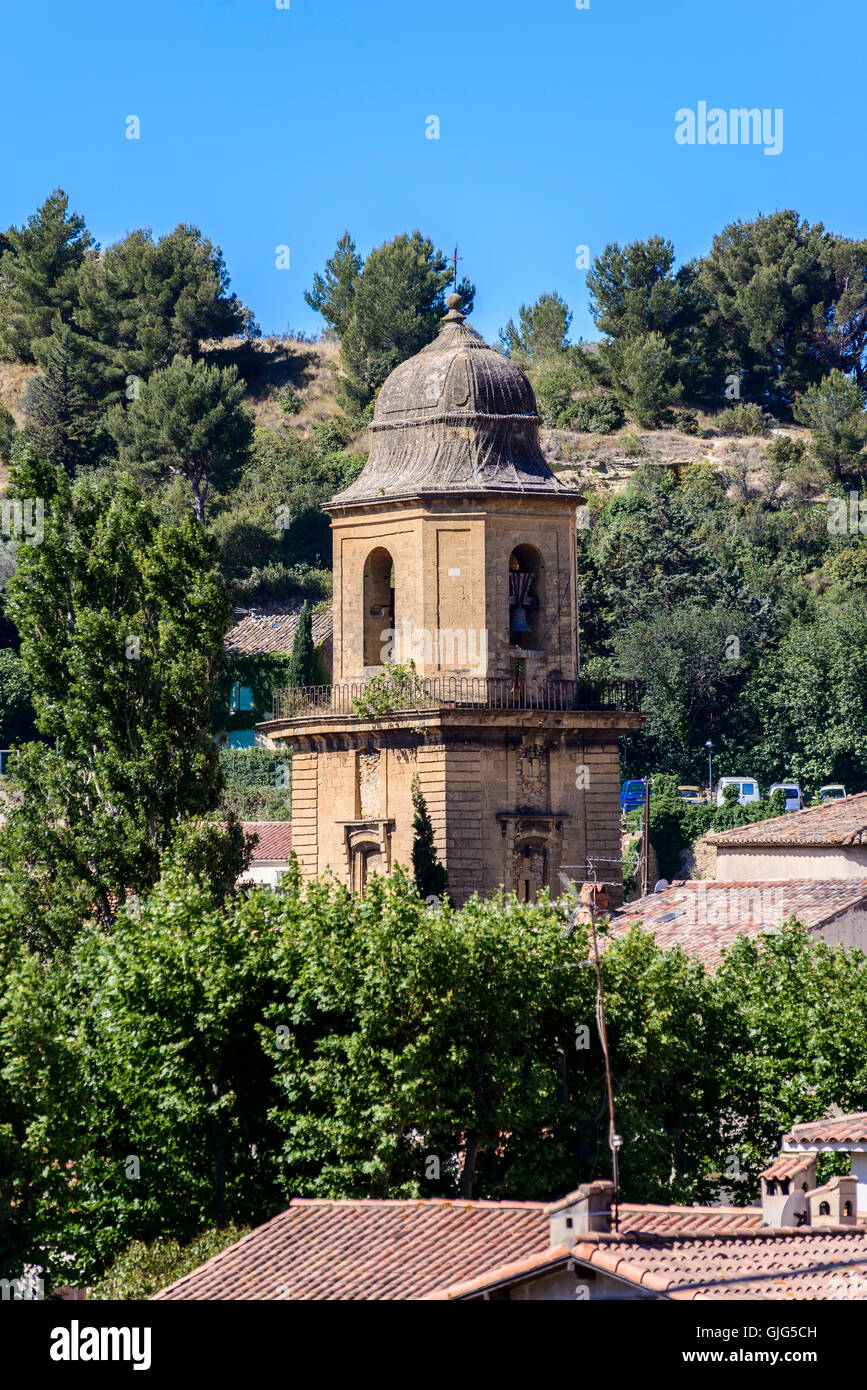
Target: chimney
587, 1209
835, 1204
784, 1190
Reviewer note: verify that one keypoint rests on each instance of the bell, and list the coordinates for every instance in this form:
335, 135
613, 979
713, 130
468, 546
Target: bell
519, 621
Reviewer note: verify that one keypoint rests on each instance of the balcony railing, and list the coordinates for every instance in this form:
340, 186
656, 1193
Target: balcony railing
451, 692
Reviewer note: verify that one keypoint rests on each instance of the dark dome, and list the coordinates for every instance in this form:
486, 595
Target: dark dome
457, 417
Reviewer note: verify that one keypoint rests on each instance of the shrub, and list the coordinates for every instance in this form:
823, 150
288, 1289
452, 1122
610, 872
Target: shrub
7, 433
644, 371
555, 382
632, 445
331, 436
257, 783
744, 419
686, 421
289, 401
599, 414
142, 1270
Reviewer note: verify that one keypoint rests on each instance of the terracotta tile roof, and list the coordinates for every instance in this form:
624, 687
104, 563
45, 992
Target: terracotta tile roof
841, 822
826, 1263
704, 1253
783, 1168
367, 1250
844, 1129
704, 917
275, 838
271, 628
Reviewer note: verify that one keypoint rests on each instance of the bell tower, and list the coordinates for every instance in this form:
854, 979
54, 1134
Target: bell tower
455, 550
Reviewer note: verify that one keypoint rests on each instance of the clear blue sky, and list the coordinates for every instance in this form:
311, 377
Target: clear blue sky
269, 127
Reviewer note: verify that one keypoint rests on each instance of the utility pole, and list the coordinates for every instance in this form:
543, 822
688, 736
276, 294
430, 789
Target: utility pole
645, 843
614, 1140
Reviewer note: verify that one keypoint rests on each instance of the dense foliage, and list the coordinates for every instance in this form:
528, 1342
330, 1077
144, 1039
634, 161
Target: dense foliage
203, 1063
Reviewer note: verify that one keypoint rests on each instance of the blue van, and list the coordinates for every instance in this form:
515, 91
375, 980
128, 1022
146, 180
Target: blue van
632, 796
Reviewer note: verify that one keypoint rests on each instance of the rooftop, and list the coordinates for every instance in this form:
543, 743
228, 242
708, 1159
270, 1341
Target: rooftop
704, 917
275, 838
368, 1249
842, 1129
841, 822
440, 1249
271, 627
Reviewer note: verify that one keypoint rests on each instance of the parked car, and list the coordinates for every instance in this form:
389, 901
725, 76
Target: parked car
792, 792
832, 791
691, 794
632, 795
748, 789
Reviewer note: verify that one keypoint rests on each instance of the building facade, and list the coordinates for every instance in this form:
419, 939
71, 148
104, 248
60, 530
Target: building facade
456, 658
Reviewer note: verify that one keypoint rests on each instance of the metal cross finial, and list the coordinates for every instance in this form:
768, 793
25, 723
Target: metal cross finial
455, 259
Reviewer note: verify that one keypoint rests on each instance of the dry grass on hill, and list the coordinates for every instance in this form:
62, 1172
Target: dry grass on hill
272, 363
14, 377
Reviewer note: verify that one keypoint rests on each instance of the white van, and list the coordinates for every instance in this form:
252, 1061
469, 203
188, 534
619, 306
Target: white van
748, 789
792, 792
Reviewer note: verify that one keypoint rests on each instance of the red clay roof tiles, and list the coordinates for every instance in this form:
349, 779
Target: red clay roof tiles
347, 1250
275, 838
705, 917
843, 1129
841, 822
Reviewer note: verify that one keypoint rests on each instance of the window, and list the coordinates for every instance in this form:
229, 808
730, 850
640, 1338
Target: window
241, 698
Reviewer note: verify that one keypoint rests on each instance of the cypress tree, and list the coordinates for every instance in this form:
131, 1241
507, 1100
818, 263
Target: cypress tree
300, 671
431, 878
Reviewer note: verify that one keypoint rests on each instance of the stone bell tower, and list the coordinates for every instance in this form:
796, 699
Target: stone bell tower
455, 550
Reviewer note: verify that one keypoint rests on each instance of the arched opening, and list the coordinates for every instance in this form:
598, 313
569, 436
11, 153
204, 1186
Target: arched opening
847, 1208
378, 600
824, 1209
525, 598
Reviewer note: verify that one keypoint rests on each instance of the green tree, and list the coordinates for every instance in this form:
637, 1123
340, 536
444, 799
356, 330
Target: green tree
149, 1048
834, 408
39, 277
62, 421
644, 379
542, 330
8, 431
143, 303
332, 293
16, 710
769, 286
189, 421
300, 667
796, 1045
385, 313
429, 874
121, 618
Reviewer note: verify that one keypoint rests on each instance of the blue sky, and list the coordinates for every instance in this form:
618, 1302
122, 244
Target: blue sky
270, 127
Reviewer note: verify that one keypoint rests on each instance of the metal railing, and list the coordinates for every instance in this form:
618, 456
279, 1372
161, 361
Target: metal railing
451, 692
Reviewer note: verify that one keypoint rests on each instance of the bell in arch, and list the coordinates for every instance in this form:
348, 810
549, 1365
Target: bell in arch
519, 621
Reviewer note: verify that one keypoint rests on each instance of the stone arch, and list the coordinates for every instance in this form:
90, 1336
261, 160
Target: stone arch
378, 603
526, 595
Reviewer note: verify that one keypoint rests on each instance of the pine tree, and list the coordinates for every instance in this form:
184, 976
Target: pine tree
300, 669
541, 331
188, 420
39, 277
61, 415
142, 303
385, 310
431, 878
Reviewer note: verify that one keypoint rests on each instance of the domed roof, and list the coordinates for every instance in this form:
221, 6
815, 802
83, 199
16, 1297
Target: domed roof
457, 417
